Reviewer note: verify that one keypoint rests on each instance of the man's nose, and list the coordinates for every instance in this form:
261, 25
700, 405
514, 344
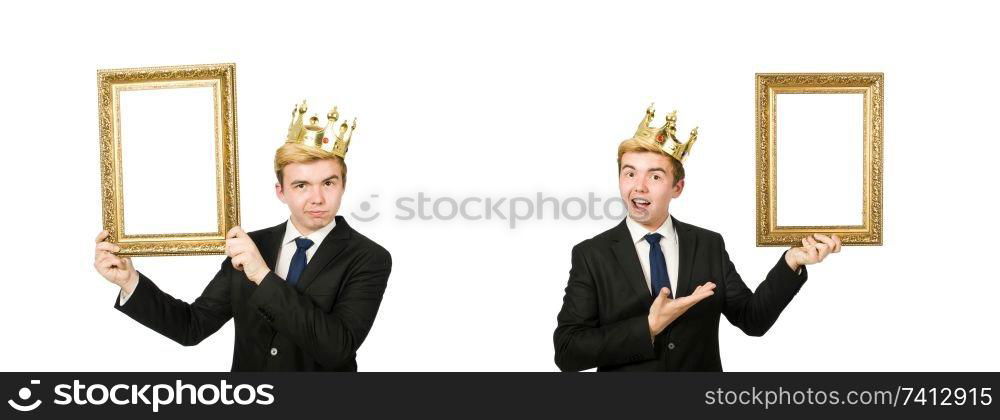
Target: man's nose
640, 185
316, 196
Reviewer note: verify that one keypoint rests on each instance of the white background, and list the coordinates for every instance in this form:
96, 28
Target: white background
169, 131
815, 131
465, 99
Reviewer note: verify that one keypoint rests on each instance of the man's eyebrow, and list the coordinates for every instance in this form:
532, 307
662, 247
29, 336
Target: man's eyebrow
302, 181
650, 169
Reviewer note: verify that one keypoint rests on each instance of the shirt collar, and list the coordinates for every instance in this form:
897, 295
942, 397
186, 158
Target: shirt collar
291, 233
638, 231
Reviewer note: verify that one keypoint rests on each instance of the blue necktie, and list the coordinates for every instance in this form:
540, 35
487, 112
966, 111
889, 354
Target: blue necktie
657, 266
298, 260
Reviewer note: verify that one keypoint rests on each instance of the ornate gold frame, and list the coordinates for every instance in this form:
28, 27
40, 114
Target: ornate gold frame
770, 84
110, 82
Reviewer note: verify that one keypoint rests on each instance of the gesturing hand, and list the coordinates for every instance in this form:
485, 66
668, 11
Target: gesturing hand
245, 256
665, 310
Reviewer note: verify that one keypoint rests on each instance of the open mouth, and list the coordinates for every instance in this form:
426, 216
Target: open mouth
640, 203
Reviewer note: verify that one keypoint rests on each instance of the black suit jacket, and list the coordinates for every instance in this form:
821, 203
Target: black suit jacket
316, 325
603, 321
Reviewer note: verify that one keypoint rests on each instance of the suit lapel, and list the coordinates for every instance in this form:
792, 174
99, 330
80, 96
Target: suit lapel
628, 260
688, 243
271, 244
333, 244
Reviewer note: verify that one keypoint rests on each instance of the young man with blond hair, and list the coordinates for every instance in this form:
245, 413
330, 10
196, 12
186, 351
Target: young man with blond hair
303, 294
647, 295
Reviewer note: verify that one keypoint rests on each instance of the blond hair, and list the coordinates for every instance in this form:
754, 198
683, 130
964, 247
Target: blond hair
290, 153
634, 145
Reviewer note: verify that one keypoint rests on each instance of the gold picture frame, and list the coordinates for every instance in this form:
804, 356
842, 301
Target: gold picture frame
768, 85
219, 80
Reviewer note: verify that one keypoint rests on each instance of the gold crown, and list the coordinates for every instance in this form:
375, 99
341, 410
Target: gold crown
320, 137
665, 136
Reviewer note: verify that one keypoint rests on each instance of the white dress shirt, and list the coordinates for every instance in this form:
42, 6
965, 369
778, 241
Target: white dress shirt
669, 244
288, 249
288, 246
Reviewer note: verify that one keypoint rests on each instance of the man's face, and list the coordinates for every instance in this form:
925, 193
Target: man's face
647, 186
312, 192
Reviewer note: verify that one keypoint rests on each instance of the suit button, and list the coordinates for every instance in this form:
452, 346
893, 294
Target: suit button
274, 351
671, 346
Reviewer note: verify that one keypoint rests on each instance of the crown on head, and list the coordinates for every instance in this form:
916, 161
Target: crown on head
323, 137
665, 136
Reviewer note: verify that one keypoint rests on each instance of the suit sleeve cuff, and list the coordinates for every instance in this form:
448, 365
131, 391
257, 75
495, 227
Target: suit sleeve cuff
138, 293
782, 267
123, 297
266, 293
642, 346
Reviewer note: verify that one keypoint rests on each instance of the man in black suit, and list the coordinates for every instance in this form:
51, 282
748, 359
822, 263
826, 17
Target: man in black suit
303, 294
647, 294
